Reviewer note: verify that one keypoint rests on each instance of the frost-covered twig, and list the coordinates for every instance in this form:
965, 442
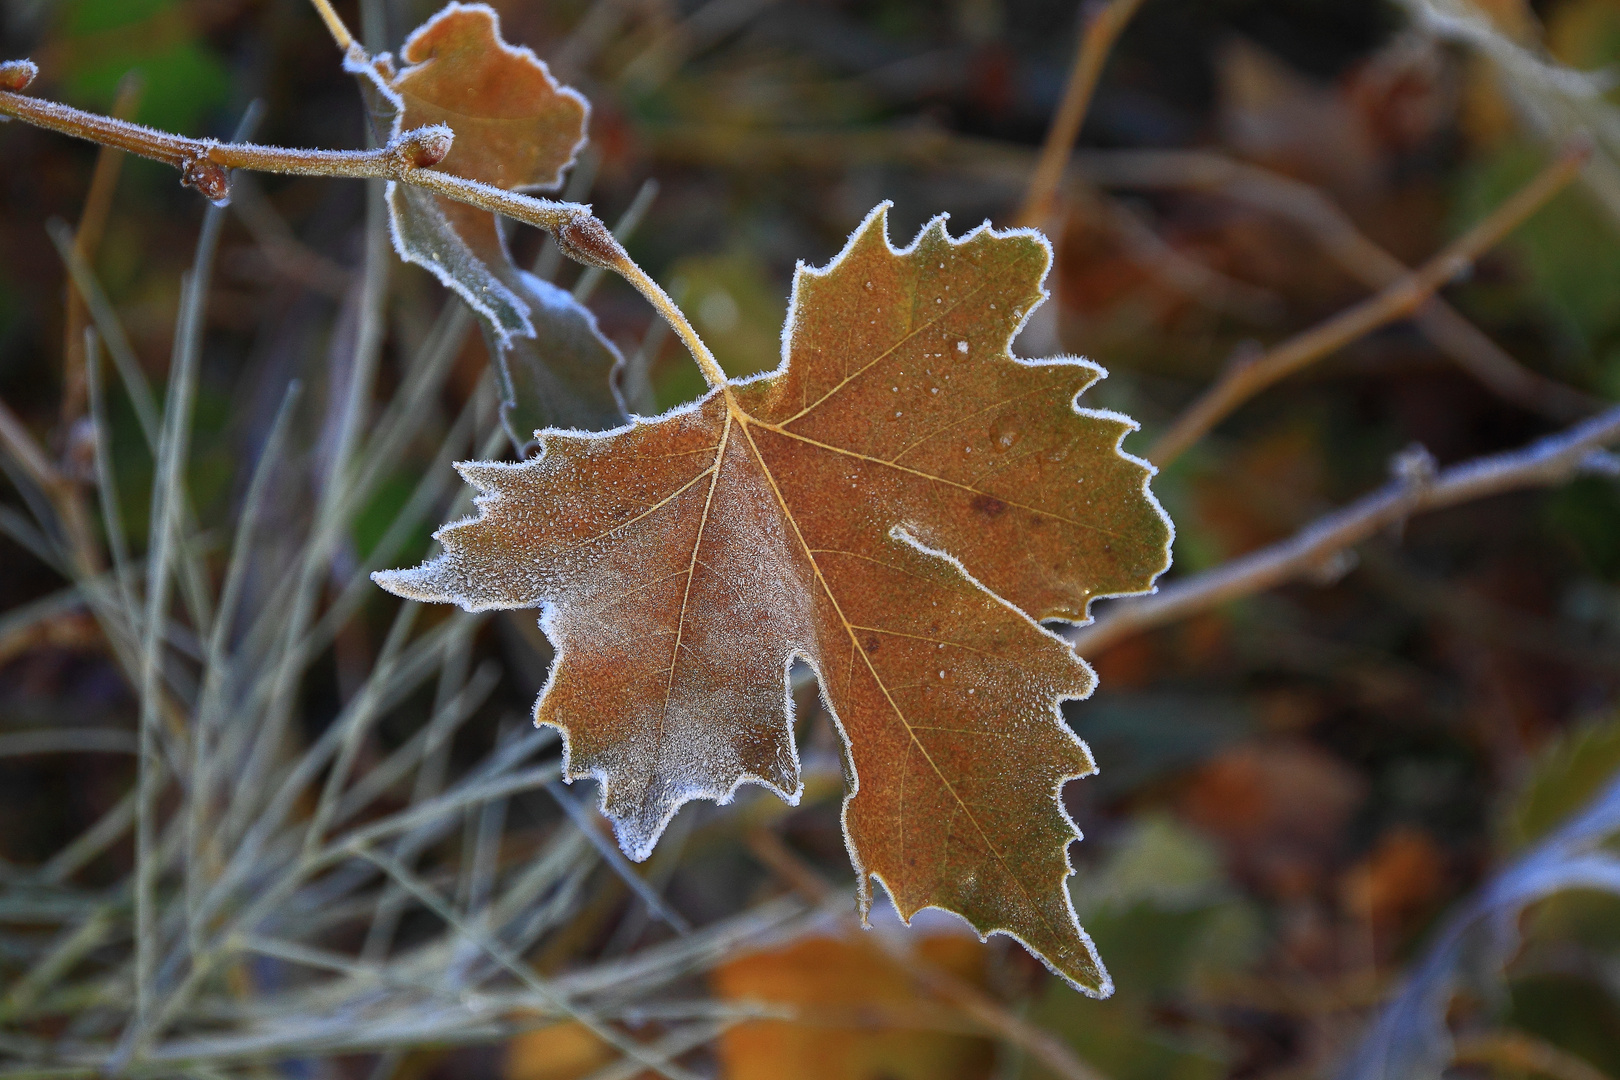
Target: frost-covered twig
1552, 460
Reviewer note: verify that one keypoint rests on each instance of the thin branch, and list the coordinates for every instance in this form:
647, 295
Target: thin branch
1097, 39
1416, 489
407, 159
1247, 379
1354, 252
334, 24
204, 163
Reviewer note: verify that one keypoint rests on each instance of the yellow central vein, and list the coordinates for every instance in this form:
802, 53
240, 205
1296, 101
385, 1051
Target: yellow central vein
686, 595
744, 421
934, 479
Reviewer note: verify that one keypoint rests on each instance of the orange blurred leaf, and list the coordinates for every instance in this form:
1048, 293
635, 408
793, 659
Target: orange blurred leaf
856, 1003
566, 1051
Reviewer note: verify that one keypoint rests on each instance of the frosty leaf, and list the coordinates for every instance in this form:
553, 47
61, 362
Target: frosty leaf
898, 504
562, 376
515, 127
424, 235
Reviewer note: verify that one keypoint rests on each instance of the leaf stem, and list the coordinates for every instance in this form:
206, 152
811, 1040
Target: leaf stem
1097, 36
1399, 299
334, 24
587, 240
712, 372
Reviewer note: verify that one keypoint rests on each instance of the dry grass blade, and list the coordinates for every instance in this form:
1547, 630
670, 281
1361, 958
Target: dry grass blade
1097, 36
1249, 377
87, 238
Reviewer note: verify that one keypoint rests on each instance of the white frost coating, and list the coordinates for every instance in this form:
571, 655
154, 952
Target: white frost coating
554, 299
681, 735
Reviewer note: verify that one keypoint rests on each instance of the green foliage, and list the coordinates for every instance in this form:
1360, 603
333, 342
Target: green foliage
1571, 279
182, 78
1573, 1012
1563, 780
739, 313
1587, 512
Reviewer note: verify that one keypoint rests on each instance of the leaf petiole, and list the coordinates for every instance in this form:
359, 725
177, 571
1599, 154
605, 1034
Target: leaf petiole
334, 24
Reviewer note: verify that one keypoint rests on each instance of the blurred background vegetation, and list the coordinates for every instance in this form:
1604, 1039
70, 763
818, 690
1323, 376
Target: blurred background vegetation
1296, 788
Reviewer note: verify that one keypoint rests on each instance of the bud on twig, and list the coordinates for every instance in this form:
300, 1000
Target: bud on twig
422, 148
210, 179
18, 75
585, 239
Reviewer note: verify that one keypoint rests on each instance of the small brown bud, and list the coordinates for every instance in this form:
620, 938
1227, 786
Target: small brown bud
423, 148
210, 179
17, 75
585, 239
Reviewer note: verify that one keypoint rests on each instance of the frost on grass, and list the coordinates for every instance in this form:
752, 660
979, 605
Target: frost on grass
899, 504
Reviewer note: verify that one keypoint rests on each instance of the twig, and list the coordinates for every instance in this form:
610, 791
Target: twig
1097, 39
334, 24
984, 1010
1518, 1052
407, 159
203, 163
1401, 298
1552, 460
1355, 253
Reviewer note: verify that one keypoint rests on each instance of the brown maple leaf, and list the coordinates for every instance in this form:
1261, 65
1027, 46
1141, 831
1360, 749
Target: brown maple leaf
515, 126
898, 504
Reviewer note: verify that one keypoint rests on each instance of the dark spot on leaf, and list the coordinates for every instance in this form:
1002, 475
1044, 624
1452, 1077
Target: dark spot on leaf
988, 506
